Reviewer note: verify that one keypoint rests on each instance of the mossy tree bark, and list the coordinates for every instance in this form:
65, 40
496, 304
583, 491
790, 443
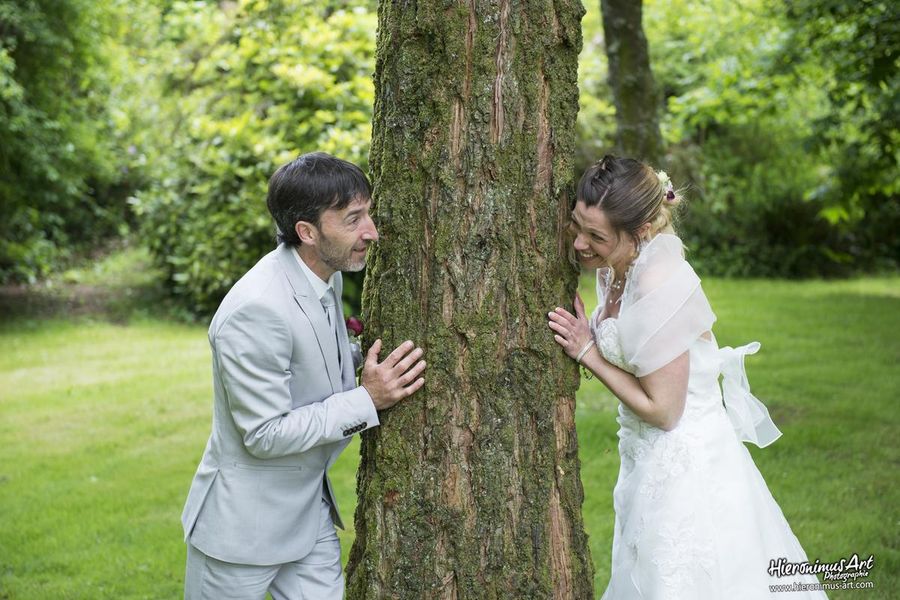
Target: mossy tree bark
635, 95
470, 489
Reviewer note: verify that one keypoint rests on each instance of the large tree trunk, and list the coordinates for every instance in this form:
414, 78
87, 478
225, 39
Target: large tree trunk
634, 92
470, 489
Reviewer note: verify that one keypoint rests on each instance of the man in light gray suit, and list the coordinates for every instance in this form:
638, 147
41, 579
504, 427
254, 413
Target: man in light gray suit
260, 515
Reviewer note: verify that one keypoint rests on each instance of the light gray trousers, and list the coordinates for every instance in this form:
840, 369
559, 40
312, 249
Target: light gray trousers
317, 576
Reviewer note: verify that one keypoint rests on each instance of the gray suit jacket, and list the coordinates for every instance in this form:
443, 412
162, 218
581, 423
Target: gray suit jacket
283, 411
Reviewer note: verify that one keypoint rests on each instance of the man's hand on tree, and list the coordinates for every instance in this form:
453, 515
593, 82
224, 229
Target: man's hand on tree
396, 377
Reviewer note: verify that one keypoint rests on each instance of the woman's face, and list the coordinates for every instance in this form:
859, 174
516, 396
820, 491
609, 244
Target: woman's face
597, 243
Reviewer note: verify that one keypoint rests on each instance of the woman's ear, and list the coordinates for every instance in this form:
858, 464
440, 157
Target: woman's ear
644, 232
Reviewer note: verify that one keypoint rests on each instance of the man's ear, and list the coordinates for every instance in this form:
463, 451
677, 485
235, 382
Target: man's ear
307, 232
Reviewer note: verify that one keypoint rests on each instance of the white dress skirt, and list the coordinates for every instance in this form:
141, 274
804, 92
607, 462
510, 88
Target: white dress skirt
694, 519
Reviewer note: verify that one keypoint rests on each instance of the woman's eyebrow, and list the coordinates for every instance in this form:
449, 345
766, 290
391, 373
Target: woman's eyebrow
588, 229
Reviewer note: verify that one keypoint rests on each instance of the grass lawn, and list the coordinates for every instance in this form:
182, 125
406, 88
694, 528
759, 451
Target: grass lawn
102, 425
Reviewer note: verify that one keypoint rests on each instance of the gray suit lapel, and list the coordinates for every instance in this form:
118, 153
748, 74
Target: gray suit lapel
311, 306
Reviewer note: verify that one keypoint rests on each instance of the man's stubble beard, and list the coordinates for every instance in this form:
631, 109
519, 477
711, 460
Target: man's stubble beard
331, 255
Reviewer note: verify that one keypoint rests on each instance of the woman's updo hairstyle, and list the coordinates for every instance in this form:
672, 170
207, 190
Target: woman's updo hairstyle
630, 193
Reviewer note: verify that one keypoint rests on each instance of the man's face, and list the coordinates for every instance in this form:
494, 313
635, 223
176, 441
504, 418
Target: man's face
345, 235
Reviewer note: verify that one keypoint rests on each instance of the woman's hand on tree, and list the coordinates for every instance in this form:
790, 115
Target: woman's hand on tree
572, 332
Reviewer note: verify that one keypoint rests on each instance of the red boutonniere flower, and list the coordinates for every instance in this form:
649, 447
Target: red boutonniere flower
354, 330
354, 327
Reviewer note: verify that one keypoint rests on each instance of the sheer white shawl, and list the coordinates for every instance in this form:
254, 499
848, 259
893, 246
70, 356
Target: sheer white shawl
664, 309
663, 312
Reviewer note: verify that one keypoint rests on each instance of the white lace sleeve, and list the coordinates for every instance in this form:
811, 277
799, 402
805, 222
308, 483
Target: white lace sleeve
664, 309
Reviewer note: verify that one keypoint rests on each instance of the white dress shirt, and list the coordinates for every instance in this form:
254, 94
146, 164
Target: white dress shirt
318, 285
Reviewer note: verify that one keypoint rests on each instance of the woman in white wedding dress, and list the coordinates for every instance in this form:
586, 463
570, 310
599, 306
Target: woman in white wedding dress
694, 518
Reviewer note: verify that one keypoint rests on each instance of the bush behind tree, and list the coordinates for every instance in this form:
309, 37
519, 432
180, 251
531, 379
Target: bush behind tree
784, 179
254, 83
63, 181
258, 82
780, 121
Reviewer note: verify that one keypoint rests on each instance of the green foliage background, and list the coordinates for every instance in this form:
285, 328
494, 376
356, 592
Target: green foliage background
163, 120
781, 119
63, 176
256, 83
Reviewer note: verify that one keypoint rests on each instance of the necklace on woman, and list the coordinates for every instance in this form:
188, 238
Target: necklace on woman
614, 293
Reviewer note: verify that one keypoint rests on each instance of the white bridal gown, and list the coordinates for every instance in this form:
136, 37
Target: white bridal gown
694, 518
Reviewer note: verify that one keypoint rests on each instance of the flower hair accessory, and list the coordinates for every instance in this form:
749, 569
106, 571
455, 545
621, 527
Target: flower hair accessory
667, 185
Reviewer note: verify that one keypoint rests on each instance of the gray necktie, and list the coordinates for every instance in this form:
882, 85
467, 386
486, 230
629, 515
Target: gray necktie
328, 302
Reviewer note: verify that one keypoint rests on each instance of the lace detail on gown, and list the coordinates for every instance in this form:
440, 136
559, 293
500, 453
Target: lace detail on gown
681, 552
671, 458
607, 337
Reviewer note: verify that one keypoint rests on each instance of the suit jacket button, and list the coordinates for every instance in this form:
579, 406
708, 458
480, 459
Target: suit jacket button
347, 432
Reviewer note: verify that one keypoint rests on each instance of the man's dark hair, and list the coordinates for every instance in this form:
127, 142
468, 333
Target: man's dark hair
304, 188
